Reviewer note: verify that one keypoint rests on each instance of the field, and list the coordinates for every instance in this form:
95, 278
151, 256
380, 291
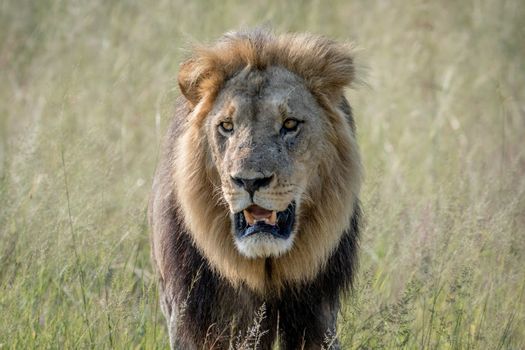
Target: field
87, 88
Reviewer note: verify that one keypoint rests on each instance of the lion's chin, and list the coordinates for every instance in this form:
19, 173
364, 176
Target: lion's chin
261, 232
263, 245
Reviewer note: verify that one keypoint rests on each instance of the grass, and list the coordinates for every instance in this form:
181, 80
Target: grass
86, 89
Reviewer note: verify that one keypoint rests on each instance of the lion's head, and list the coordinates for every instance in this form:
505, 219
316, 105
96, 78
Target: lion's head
267, 171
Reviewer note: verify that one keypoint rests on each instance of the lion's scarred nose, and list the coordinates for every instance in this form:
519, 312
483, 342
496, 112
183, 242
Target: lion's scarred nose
252, 185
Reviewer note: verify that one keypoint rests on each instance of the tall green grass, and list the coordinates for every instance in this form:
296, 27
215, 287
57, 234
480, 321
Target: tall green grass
86, 90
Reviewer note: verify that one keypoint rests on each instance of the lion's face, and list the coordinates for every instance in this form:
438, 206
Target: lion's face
266, 137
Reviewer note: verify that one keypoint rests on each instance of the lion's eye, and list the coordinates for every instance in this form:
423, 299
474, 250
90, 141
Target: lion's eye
226, 127
290, 125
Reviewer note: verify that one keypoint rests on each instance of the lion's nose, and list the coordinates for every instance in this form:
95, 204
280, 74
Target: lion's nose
252, 185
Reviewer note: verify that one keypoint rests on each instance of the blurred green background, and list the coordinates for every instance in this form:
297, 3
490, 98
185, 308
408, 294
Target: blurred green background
87, 88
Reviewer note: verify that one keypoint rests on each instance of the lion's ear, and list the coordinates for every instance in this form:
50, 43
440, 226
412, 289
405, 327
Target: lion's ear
189, 78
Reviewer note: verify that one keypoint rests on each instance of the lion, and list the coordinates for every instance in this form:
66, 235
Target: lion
255, 203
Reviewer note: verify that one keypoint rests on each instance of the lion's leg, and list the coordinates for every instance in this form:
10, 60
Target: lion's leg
172, 329
308, 326
177, 341
170, 314
170, 311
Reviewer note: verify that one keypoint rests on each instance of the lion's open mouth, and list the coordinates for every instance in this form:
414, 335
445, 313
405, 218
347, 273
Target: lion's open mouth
257, 220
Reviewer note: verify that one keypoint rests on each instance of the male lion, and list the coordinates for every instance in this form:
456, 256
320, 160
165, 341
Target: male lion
255, 205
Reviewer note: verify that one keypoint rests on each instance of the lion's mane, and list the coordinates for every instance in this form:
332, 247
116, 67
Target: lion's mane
191, 224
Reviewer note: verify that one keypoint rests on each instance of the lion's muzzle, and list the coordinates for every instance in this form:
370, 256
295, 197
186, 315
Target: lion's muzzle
263, 214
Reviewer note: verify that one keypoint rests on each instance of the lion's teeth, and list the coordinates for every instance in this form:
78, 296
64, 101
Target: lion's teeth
249, 218
273, 218
252, 219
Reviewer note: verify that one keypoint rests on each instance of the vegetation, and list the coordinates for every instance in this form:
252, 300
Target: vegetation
87, 88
